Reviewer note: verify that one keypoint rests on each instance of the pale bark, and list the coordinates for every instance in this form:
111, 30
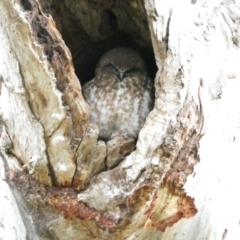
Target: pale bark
181, 181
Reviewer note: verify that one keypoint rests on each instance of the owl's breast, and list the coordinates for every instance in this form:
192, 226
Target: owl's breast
119, 108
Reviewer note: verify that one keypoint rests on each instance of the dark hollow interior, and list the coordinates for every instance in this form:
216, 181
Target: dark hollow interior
90, 28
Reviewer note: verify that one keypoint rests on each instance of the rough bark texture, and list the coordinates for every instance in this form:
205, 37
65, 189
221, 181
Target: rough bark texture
69, 185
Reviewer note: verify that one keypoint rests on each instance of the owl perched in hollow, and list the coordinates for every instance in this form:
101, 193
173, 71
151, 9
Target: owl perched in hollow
121, 94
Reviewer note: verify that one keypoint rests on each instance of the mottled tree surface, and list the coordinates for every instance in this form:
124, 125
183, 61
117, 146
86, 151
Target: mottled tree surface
179, 179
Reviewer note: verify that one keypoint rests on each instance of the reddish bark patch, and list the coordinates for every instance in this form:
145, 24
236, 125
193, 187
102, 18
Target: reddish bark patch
64, 200
179, 150
71, 208
187, 207
168, 209
139, 198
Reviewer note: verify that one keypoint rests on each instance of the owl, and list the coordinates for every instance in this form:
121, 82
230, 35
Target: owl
121, 94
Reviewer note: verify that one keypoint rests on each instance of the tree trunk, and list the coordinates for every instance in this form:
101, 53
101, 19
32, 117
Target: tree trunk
180, 180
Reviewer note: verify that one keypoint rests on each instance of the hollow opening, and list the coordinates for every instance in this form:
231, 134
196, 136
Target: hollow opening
91, 28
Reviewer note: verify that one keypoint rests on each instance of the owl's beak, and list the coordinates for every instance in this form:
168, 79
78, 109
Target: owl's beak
121, 76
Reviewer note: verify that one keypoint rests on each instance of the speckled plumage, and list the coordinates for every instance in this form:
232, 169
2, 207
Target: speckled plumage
121, 94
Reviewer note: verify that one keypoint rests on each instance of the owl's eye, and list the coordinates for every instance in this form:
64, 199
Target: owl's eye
111, 66
132, 70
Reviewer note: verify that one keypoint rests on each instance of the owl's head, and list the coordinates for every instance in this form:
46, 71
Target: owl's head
121, 62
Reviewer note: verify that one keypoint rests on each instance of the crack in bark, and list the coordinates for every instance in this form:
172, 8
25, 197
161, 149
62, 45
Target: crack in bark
168, 29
